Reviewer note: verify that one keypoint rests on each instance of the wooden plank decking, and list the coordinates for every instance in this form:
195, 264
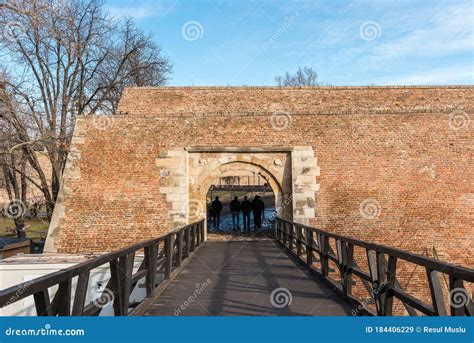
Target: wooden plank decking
237, 278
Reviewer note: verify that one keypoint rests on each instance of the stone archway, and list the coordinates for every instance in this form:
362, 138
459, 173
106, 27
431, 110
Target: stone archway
204, 167
199, 188
291, 173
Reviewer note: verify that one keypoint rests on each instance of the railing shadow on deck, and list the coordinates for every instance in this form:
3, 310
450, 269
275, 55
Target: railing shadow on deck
163, 258
312, 247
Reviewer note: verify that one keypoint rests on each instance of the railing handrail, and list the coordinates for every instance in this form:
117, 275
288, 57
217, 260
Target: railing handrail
44, 282
381, 279
425, 261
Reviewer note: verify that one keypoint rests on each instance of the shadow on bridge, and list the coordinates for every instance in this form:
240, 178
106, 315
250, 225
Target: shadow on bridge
180, 273
246, 278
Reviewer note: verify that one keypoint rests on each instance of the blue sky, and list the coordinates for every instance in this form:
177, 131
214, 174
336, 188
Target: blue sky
243, 42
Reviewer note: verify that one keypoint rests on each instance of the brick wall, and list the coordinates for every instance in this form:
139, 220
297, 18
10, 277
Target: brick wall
396, 163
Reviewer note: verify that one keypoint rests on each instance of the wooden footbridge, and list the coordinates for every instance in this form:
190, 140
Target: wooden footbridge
303, 271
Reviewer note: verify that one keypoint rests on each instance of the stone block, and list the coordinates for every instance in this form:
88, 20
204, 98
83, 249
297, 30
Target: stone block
170, 162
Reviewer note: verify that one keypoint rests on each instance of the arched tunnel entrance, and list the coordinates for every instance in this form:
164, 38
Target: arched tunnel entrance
248, 204
240, 179
289, 173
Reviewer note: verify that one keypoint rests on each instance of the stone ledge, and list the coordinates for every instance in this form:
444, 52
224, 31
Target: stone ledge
362, 111
215, 88
197, 149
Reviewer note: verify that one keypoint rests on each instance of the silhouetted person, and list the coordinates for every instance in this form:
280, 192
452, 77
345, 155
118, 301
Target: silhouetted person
246, 208
212, 215
217, 208
235, 210
258, 209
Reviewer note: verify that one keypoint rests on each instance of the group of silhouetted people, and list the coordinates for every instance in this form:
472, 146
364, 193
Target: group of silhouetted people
257, 207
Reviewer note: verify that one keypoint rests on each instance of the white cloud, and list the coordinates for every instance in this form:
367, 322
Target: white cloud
142, 9
449, 31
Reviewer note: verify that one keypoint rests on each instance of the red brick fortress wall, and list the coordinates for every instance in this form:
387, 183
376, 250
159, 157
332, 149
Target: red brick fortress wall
396, 163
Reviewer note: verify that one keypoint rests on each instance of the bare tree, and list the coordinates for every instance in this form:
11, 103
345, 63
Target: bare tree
305, 76
61, 59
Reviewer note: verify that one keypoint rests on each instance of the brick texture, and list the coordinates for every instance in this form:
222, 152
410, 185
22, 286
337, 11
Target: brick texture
395, 164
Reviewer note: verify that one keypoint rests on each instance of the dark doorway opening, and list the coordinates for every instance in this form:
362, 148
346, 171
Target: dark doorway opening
240, 183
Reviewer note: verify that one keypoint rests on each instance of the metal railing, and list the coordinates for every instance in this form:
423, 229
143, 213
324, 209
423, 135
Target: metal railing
163, 258
313, 247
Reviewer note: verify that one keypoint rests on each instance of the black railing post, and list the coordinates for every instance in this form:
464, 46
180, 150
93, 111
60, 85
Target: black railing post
179, 255
348, 264
387, 309
187, 238
151, 255
277, 229
323, 241
290, 240
169, 242
382, 279
81, 289
42, 303
62, 299
456, 287
115, 287
196, 236
341, 256
203, 228
309, 247
436, 291
126, 271
374, 270
201, 233
193, 237
299, 238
